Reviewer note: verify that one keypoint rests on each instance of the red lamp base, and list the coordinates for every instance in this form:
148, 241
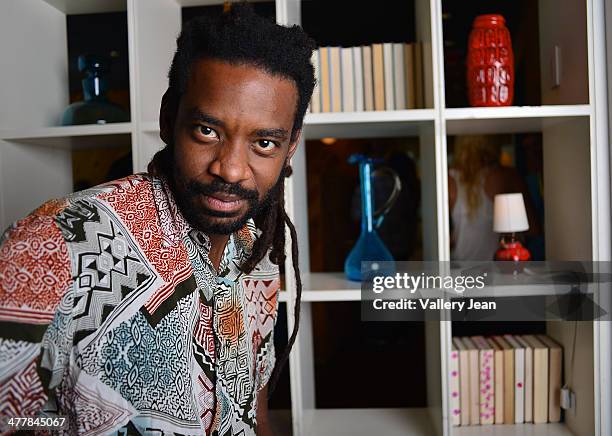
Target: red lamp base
512, 251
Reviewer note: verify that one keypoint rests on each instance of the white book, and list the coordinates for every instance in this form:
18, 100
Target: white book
335, 67
368, 78
528, 378
455, 385
348, 82
315, 101
388, 74
498, 354
474, 380
409, 78
519, 379
486, 377
325, 75
358, 71
399, 76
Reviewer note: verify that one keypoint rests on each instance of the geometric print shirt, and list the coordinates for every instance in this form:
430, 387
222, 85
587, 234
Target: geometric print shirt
112, 315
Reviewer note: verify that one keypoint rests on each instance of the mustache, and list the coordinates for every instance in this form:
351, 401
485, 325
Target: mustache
217, 186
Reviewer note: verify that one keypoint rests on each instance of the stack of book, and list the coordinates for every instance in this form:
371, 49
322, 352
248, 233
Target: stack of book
377, 77
507, 379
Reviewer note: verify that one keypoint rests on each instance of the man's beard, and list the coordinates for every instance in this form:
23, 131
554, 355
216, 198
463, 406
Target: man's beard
201, 217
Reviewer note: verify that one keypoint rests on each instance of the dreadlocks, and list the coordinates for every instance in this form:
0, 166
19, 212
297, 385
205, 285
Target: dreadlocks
239, 36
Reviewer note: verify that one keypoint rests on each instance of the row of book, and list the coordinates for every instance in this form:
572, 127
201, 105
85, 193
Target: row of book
386, 76
506, 379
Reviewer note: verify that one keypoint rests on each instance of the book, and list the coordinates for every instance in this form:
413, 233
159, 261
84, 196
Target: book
348, 83
528, 378
409, 80
455, 384
325, 88
464, 381
358, 71
474, 386
399, 76
555, 355
336, 79
418, 76
519, 379
498, 354
540, 379
388, 71
378, 75
508, 379
486, 379
368, 78
315, 101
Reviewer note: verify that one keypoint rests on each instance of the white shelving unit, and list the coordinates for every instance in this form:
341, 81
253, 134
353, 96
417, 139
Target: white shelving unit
35, 165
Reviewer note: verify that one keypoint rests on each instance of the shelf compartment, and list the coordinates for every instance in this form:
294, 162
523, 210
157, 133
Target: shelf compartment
549, 429
366, 422
49, 28
510, 119
543, 35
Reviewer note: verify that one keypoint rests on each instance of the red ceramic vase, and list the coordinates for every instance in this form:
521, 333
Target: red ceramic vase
490, 63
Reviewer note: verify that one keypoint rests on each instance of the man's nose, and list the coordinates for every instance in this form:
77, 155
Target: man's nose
231, 161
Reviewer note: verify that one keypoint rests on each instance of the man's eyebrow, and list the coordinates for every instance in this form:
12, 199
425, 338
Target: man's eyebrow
281, 134
197, 115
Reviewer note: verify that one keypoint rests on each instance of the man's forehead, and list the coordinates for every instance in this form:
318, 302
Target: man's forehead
221, 90
208, 72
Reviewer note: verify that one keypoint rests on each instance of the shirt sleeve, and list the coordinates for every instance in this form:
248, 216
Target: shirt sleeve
268, 317
35, 312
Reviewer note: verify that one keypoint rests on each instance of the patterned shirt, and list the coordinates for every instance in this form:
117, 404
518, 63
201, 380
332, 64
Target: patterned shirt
112, 314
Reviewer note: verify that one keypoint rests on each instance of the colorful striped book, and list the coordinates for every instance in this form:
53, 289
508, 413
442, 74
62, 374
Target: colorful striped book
486, 379
455, 384
474, 385
464, 380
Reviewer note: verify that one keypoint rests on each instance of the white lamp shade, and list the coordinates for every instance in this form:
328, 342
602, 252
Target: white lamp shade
509, 213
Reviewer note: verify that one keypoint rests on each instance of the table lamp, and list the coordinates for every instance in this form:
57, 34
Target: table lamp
510, 216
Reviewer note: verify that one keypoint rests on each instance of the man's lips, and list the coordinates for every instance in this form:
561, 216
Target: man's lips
223, 202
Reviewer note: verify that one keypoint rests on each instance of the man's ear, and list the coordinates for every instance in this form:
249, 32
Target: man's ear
293, 145
167, 115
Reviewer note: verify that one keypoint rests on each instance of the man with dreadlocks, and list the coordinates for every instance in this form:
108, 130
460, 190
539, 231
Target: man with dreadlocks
148, 304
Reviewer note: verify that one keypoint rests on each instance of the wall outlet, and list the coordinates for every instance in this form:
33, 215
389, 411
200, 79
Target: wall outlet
568, 399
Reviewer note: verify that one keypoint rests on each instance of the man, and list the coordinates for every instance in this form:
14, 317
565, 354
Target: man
147, 305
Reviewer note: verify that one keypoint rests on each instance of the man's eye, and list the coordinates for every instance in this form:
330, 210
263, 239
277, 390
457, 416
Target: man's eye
207, 132
266, 144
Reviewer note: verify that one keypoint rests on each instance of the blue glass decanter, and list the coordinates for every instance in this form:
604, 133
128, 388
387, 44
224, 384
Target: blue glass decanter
96, 109
369, 247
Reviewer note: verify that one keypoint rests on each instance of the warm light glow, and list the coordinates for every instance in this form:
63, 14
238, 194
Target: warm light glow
328, 141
